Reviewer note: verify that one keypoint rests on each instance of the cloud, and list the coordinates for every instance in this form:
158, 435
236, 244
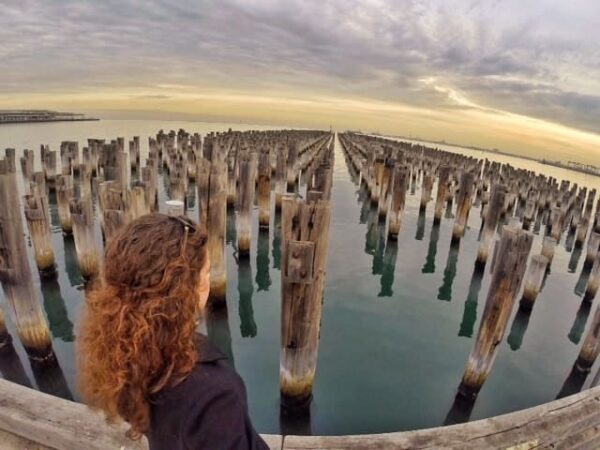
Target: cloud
540, 59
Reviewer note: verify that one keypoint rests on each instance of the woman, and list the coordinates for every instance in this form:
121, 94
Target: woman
140, 358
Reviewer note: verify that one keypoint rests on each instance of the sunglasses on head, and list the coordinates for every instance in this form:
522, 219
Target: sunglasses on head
186, 222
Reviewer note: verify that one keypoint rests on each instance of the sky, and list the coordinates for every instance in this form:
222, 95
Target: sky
520, 76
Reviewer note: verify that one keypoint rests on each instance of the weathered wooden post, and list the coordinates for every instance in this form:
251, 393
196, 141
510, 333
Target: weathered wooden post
245, 199
83, 232
264, 188
305, 227
591, 345
593, 280
463, 206
292, 157
398, 199
592, 248
203, 185
385, 188
509, 268
548, 246
174, 208
64, 194
280, 177
15, 273
216, 224
494, 209
426, 189
444, 173
534, 279
38, 223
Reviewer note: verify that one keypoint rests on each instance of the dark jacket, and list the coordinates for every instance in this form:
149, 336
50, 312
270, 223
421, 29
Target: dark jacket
207, 410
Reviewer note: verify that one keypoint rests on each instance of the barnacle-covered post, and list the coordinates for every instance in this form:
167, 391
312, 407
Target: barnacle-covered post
305, 228
509, 268
15, 273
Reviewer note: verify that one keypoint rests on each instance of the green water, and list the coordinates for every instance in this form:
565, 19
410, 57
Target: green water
398, 321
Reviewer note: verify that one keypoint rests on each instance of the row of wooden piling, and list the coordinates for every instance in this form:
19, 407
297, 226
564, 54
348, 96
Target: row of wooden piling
515, 204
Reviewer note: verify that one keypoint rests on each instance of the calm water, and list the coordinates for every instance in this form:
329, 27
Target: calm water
398, 320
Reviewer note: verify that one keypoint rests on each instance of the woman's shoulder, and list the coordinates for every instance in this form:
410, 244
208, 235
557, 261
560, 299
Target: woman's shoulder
211, 374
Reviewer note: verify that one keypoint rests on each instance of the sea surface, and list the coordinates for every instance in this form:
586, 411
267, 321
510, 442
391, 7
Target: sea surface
398, 323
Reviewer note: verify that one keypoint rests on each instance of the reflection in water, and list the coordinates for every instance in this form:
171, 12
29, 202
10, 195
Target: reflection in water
519, 326
575, 255
54, 218
246, 289
429, 266
276, 250
11, 367
375, 241
582, 281
389, 268
420, 226
448, 214
580, 320
445, 291
573, 383
51, 380
190, 196
217, 329
365, 202
570, 240
263, 278
71, 263
294, 421
54, 305
470, 311
460, 411
230, 231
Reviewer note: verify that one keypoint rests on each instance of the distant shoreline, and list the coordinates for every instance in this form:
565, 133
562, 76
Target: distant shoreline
11, 116
13, 122
587, 169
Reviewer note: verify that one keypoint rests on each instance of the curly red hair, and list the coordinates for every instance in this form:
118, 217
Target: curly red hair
137, 332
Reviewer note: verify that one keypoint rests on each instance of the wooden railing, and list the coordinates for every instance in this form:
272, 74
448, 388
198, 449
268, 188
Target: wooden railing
31, 419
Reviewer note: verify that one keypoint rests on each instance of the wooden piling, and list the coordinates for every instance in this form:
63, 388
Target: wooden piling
463, 206
245, 199
38, 223
509, 269
593, 280
494, 209
64, 194
203, 186
15, 273
88, 256
593, 248
534, 279
216, 224
305, 228
591, 345
548, 247
397, 204
264, 188
444, 173
385, 188
426, 189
